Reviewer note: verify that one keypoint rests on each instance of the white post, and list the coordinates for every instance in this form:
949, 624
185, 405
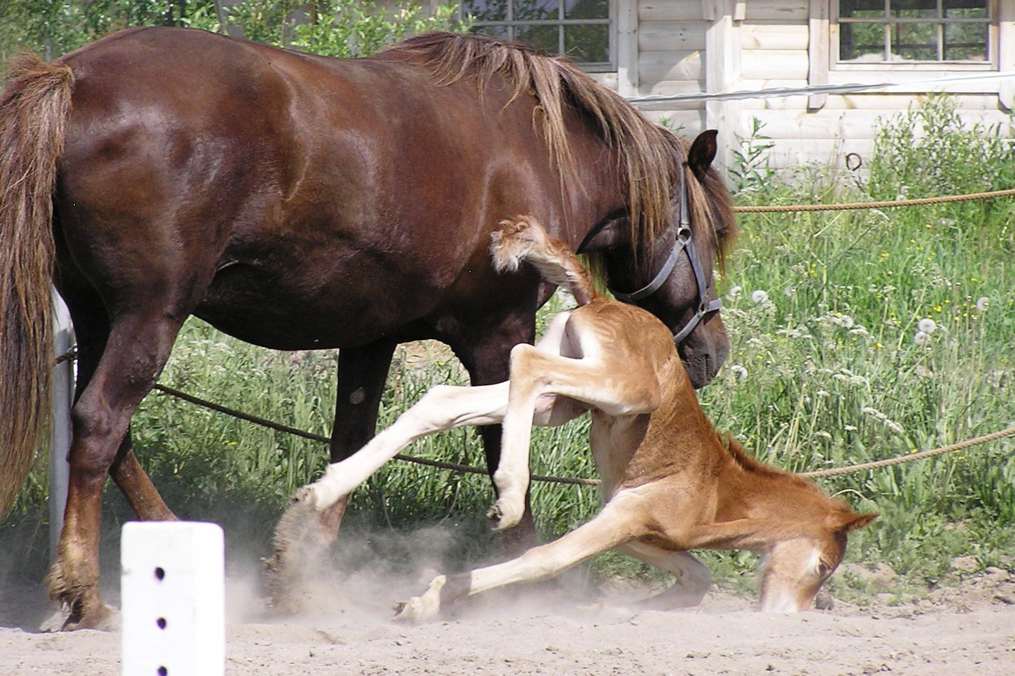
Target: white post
62, 398
173, 596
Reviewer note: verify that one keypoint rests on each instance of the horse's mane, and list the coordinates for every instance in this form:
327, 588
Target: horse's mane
752, 465
647, 153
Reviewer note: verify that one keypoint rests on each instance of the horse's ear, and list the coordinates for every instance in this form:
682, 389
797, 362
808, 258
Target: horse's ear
607, 236
702, 152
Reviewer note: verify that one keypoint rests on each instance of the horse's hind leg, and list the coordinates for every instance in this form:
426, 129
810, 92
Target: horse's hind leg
135, 352
91, 329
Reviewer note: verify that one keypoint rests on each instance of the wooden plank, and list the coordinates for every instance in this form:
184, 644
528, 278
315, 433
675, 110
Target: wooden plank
765, 64
657, 36
687, 123
882, 102
817, 51
773, 36
668, 10
670, 65
1006, 52
609, 80
838, 124
904, 76
830, 152
627, 48
778, 10
722, 52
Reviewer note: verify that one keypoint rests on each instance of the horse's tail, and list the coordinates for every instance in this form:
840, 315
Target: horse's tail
524, 239
33, 112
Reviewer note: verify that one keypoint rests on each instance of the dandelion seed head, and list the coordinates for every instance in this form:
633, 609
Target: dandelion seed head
982, 303
739, 372
926, 325
921, 338
759, 297
734, 293
846, 321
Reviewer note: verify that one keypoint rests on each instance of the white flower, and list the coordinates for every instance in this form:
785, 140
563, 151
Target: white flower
849, 428
759, 297
926, 325
734, 293
981, 303
921, 338
739, 372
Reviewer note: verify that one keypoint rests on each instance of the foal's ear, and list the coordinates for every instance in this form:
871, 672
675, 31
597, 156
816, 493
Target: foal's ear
607, 236
702, 152
850, 521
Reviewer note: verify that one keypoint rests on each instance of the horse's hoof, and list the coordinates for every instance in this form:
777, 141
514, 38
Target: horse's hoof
104, 618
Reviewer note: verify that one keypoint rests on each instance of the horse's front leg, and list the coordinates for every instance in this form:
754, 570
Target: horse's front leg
301, 544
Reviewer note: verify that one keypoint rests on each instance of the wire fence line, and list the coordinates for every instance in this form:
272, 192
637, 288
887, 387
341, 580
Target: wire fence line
783, 92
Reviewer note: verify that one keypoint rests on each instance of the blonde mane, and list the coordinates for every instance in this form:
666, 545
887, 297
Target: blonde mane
648, 155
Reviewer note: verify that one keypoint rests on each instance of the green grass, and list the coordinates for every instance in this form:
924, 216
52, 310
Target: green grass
824, 372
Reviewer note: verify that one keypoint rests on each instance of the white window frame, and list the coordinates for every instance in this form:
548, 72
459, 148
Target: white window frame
609, 66
993, 47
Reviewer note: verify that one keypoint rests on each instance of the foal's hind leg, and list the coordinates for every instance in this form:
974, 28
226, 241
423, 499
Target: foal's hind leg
137, 349
620, 520
693, 578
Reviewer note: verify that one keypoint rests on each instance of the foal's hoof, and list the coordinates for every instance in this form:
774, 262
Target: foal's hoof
504, 514
422, 608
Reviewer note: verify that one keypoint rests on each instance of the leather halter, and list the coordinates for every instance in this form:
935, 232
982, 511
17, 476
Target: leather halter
684, 242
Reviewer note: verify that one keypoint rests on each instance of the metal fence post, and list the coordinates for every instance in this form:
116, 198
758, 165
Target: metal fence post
62, 396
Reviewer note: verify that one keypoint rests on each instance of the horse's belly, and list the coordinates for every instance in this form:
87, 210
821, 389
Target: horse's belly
304, 311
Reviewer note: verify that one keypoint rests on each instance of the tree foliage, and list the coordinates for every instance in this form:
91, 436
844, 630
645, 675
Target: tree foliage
342, 28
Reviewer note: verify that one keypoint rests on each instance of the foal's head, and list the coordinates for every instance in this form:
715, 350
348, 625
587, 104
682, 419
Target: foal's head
794, 568
696, 233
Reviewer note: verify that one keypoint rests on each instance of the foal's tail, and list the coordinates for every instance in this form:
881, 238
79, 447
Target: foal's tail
33, 112
524, 239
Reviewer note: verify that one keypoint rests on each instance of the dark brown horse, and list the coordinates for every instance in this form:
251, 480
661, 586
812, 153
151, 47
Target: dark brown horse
300, 202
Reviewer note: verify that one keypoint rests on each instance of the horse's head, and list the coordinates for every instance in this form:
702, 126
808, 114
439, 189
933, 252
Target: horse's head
794, 569
672, 277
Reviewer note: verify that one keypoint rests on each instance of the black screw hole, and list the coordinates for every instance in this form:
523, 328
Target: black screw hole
162, 671
161, 622
160, 573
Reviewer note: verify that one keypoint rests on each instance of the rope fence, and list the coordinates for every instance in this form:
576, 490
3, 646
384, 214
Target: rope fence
882, 204
71, 355
568, 481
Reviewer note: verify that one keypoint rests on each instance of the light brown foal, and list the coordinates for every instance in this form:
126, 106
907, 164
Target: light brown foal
670, 483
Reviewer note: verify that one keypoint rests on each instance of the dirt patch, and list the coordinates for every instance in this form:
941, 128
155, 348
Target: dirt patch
969, 628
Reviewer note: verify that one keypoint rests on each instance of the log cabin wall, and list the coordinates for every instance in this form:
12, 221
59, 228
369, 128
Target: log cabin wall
691, 46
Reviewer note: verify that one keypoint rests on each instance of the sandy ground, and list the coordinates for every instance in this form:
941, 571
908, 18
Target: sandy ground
968, 629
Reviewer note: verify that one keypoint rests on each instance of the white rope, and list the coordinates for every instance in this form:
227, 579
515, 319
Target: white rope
782, 92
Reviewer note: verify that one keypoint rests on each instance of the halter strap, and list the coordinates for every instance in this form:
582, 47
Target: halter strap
684, 243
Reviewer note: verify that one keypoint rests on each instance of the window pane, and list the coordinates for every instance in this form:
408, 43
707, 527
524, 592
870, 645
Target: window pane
501, 32
864, 42
966, 42
529, 10
914, 42
543, 38
912, 9
586, 9
485, 10
587, 44
965, 9
862, 9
